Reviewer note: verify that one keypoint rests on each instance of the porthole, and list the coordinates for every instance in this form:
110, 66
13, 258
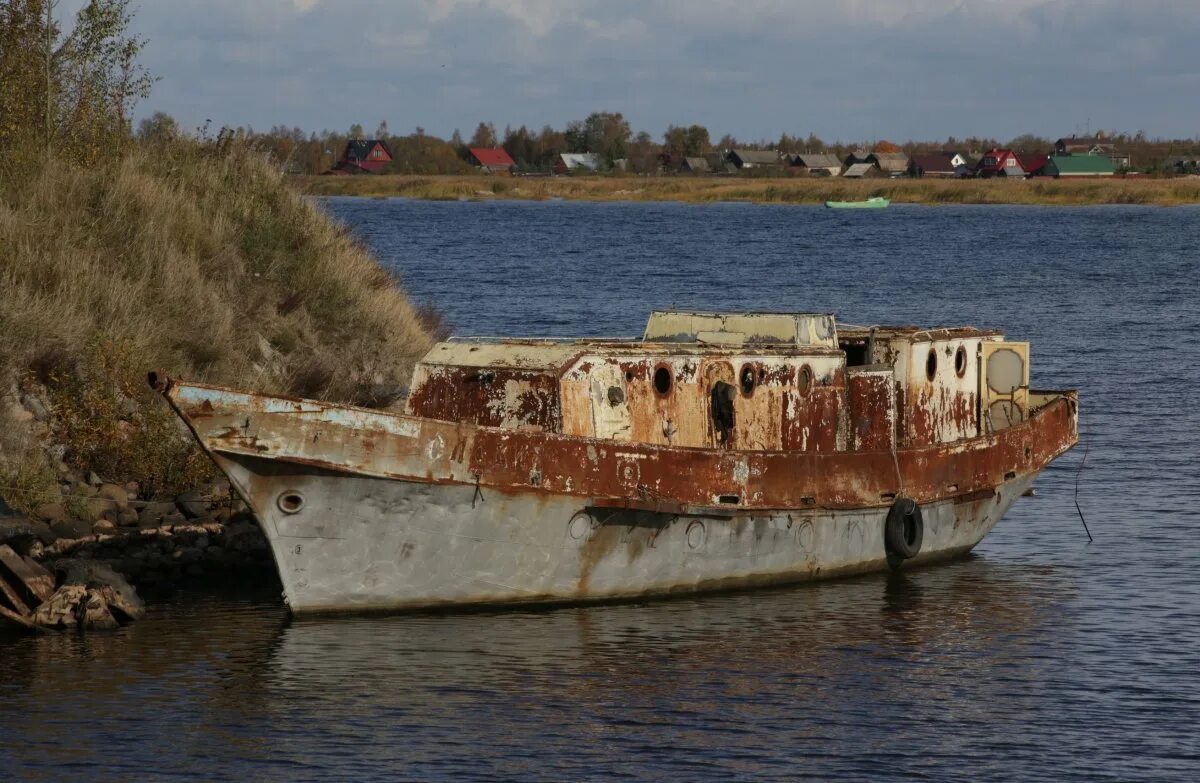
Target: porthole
290, 502
931, 364
748, 379
629, 376
662, 380
804, 379
960, 361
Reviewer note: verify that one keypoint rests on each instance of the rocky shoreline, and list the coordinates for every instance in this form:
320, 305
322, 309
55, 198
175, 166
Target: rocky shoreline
58, 573
76, 558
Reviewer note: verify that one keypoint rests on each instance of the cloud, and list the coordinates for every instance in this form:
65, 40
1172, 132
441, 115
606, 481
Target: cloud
857, 69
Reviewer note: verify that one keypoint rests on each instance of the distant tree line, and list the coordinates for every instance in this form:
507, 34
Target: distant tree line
610, 137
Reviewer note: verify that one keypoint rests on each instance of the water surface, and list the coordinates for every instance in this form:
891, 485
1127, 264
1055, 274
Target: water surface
1040, 657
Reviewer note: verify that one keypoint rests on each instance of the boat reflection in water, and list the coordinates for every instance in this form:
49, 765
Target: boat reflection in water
537, 693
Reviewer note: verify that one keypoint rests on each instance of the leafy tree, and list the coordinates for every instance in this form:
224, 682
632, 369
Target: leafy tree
643, 154
689, 142
1029, 142
381, 132
75, 93
158, 128
604, 133
23, 97
100, 79
484, 136
356, 131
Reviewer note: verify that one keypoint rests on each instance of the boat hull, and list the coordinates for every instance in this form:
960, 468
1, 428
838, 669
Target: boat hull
364, 543
873, 203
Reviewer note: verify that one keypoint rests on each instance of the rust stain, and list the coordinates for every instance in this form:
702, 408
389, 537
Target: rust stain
809, 431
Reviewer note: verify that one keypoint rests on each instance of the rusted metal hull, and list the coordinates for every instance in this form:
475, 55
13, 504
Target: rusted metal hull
371, 544
376, 511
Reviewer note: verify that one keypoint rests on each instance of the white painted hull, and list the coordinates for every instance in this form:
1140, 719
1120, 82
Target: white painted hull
363, 543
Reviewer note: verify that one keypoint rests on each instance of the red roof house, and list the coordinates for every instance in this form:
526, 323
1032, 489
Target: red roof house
1033, 162
1000, 163
363, 156
490, 160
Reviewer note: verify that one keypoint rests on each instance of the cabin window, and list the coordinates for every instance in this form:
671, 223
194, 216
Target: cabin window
662, 381
931, 364
856, 354
960, 361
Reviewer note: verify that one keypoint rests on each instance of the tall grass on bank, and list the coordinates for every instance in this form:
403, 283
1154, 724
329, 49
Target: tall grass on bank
198, 260
206, 264
783, 190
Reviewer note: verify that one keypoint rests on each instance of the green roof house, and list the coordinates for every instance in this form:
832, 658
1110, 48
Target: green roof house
1079, 166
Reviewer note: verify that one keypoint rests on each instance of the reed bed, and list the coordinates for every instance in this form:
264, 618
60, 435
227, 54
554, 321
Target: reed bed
790, 190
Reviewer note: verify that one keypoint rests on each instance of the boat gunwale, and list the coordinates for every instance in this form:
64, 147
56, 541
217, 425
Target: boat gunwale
1063, 398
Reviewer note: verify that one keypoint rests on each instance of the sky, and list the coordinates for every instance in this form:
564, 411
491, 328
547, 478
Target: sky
843, 69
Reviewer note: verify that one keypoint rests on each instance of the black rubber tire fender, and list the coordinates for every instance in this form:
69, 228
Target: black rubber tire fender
904, 528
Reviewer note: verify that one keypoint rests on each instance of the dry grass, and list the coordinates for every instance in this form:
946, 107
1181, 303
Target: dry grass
201, 262
794, 190
205, 264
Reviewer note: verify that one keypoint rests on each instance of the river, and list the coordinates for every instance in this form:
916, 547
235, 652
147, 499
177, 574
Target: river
1039, 657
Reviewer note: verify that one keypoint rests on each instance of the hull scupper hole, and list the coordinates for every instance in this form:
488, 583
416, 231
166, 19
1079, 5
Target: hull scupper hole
290, 501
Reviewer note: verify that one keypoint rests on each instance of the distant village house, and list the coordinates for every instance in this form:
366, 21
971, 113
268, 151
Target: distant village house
363, 156
491, 160
1000, 163
1092, 145
889, 164
1078, 166
860, 170
754, 159
893, 164
816, 164
940, 164
577, 163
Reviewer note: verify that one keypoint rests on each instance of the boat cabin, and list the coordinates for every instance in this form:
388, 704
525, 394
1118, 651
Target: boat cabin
742, 381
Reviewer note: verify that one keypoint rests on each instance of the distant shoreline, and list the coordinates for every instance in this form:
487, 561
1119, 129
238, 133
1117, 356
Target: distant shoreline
785, 190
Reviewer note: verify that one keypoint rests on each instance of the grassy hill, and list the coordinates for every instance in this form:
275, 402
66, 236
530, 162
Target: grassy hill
194, 258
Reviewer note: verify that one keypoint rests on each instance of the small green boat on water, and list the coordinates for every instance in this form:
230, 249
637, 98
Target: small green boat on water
875, 202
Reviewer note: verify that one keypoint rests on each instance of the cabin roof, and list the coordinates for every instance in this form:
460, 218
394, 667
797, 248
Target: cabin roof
741, 328
856, 332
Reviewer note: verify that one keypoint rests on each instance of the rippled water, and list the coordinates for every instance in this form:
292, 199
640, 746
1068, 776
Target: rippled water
1039, 657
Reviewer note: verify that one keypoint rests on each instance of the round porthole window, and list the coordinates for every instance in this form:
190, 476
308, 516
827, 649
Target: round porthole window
960, 361
662, 380
748, 379
931, 364
290, 502
804, 381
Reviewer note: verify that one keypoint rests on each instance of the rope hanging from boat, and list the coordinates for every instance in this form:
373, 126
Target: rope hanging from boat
1078, 473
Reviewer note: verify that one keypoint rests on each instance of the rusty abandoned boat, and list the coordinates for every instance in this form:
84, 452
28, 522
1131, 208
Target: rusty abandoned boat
719, 451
